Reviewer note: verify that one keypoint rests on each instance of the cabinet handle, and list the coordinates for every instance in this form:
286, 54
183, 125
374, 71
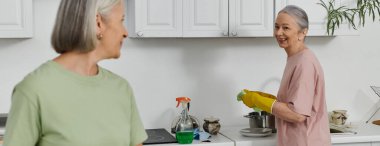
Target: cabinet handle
140, 34
225, 33
234, 33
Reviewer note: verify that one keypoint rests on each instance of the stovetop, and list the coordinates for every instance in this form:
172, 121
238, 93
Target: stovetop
159, 136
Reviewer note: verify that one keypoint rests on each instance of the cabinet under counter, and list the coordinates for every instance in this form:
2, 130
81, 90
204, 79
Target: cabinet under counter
367, 135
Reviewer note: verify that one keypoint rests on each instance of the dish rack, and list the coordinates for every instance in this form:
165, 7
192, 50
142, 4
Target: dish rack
375, 89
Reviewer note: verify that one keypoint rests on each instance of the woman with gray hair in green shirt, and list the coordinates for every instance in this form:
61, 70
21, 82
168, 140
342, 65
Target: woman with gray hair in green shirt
70, 100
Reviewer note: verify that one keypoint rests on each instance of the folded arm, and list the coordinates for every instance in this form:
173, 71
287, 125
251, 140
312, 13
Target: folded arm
282, 111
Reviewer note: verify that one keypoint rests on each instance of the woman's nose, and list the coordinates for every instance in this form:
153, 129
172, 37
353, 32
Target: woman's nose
125, 35
278, 31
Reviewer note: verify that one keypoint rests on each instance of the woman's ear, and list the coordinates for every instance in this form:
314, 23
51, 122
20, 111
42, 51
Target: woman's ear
302, 34
305, 31
99, 24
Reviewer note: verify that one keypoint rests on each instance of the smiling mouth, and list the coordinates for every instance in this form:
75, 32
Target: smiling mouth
281, 40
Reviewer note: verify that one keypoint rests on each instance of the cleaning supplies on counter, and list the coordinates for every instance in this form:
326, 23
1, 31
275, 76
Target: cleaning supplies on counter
194, 120
201, 135
184, 129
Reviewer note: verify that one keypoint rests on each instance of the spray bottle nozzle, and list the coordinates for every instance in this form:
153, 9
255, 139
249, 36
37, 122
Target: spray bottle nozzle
182, 100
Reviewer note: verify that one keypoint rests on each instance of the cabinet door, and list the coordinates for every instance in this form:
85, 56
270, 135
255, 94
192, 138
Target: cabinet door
205, 18
155, 18
318, 15
250, 18
16, 19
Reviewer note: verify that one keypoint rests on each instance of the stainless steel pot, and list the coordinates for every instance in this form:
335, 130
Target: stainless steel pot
262, 120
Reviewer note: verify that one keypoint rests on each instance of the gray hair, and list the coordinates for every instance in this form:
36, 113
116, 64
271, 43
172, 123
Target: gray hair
75, 24
298, 14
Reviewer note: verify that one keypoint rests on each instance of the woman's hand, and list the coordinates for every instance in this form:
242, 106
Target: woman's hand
265, 94
282, 111
261, 100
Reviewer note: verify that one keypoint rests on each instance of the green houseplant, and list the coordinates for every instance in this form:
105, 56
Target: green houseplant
354, 16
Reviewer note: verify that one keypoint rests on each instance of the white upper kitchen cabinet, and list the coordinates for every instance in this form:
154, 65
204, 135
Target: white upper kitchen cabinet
200, 18
205, 18
16, 19
251, 18
318, 15
228, 18
154, 18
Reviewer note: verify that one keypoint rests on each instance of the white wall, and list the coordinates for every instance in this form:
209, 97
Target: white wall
210, 71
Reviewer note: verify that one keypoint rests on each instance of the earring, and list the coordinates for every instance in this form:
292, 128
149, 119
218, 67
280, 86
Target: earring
99, 36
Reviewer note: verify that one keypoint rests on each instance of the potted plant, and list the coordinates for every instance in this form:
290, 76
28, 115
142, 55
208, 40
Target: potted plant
337, 15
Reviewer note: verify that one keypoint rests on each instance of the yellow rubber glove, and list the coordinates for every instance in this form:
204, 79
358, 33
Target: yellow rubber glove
265, 94
258, 99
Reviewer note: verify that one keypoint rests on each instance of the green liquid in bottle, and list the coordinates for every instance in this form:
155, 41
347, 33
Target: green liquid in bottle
184, 137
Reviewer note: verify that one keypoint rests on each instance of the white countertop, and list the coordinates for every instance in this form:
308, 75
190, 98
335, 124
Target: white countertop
365, 133
233, 134
216, 140
230, 136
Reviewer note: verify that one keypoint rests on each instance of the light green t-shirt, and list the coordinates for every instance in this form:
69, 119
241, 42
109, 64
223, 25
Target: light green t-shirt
56, 107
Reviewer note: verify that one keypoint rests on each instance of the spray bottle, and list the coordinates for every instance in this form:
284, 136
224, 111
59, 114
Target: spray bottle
184, 128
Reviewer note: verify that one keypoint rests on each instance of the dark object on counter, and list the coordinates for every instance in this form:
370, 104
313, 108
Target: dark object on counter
335, 131
159, 136
211, 125
3, 119
262, 120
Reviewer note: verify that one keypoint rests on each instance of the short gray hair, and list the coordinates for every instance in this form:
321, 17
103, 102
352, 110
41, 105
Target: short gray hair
298, 14
75, 24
